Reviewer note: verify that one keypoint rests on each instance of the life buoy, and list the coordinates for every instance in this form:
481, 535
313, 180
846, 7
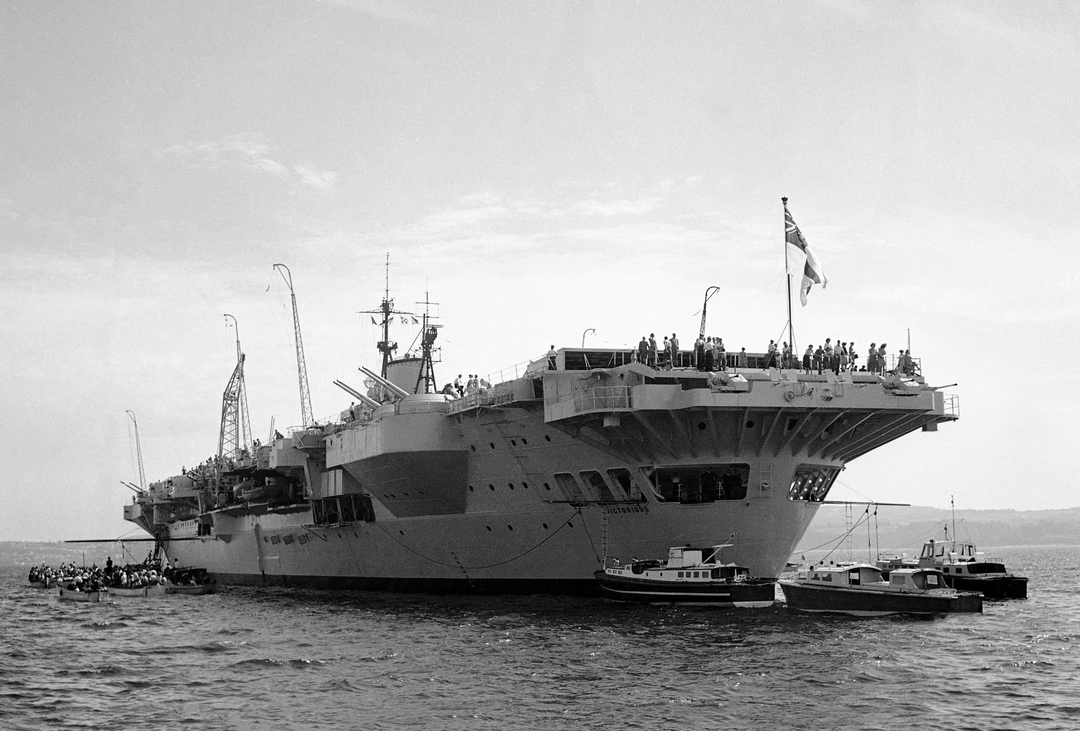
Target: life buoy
789, 395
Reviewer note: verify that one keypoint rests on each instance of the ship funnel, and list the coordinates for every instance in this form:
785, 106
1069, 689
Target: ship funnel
359, 396
391, 387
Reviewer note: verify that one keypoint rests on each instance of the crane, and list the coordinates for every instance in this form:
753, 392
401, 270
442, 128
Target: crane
235, 424
708, 293
138, 449
301, 366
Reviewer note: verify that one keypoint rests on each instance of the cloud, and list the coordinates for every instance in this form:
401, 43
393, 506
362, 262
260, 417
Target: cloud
320, 180
246, 151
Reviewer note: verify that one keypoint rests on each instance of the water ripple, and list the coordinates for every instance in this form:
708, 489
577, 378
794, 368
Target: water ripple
287, 659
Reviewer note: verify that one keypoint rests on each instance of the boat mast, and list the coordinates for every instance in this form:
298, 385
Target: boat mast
386, 309
301, 366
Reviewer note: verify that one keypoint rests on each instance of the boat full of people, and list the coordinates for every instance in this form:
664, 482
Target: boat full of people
861, 589
689, 576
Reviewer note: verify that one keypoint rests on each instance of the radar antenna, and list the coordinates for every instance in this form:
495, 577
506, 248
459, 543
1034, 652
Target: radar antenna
235, 424
301, 366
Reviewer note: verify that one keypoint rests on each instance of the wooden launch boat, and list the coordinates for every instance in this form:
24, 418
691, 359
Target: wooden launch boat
862, 590
70, 595
689, 576
190, 581
154, 590
969, 569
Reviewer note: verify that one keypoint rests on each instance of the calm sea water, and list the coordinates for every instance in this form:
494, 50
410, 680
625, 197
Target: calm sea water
290, 659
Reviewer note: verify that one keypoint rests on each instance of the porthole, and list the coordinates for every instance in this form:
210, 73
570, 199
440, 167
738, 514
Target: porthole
509, 527
492, 444
547, 437
401, 532
525, 485
472, 447
492, 488
701, 426
545, 525
524, 441
470, 488
488, 527
570, 524
513, 442
547, 486
749, 425
511, 485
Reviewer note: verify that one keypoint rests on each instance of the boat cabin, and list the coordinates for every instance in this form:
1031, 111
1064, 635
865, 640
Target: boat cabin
867, 576
959, 558
683, 564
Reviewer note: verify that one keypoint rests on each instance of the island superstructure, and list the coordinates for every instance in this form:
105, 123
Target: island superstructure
527, 484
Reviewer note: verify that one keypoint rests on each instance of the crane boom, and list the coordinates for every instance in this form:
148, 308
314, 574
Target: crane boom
235, 423
301, 366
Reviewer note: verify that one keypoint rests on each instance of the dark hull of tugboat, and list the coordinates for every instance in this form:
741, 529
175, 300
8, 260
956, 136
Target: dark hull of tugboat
860, 602
754, 593
991, 587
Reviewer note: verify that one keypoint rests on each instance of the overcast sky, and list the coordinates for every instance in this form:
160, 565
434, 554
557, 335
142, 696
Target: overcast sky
542, 170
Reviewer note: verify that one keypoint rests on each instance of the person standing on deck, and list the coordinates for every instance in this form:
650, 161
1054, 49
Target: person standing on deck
699, 353
674, 342
551, 356
807, 357
643, 351
770, 356
652, 350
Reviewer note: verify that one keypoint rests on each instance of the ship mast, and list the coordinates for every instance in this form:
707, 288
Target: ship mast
235, 424
787, 276
301, 366
386, 309
426, 376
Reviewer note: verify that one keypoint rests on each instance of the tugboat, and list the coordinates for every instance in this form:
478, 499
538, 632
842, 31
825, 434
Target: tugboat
969, 569
966, 568
861, 590
689, 576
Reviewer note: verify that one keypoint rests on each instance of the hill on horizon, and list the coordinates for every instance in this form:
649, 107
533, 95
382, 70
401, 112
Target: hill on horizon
905, 529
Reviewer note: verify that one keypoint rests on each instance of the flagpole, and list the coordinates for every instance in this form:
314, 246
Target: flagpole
787, 276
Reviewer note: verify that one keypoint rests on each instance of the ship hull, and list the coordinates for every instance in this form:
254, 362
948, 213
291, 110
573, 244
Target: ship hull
528, 487
554, 549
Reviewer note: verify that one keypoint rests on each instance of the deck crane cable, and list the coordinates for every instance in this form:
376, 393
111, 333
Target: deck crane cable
301, 366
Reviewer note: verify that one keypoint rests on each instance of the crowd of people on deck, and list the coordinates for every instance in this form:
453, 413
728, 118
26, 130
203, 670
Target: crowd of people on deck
710, 354
131, 576
471, 387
